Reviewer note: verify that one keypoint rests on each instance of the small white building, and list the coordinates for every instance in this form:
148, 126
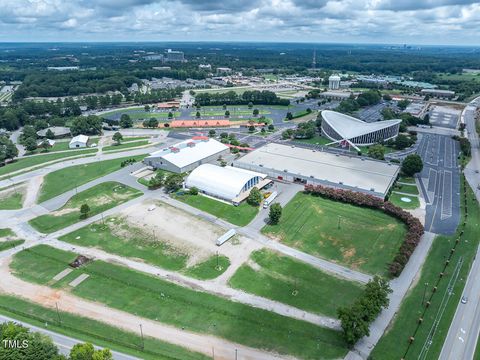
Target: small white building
49, 141
79, 141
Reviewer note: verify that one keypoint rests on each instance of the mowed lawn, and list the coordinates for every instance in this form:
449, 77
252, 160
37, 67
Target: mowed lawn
237, 215
284, 279
396, 199
63, 180
12, 200
96, 332
360, 238
99, 198
127, 145
31, 161
153, 298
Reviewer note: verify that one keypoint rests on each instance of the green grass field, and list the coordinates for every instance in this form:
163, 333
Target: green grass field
63, 180
12, 201
396, 199
135, 114
237, 215
233, 113
99, 198
153, 298
93, 331
123, 146
284, 279
38, 160
5, 233
316, 140
461, 76
210, 268
133, 243
408, 189
5, 245
394, 343
360, 238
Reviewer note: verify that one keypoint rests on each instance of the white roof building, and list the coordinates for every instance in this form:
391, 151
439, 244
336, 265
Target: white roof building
78, 141
340, 127
223, 182
187, 155
307, 166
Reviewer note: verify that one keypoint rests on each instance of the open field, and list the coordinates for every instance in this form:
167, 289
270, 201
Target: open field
408, 189
138, 113
5, 245
394, 343
156, 299
361, 238
237, 215
233, 113
396, 199
63, 180
30, 161
99, 198
6, 233
93, 331
461, 76
284, 279
63, 145
124, 145
316, 140
12, 198
186, 245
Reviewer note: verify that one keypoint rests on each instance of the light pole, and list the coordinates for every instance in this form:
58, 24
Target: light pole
424, 293
338, 223
141, 334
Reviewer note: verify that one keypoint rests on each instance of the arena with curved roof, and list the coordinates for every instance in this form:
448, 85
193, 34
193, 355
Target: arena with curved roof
227, 183
339, 127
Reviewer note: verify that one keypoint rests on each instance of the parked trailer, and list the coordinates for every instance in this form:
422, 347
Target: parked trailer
270, 199
225, 237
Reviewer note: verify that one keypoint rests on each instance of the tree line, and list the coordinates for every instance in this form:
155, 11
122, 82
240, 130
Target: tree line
255, 97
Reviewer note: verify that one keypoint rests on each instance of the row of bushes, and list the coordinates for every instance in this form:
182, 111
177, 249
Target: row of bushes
414, 227
127, 162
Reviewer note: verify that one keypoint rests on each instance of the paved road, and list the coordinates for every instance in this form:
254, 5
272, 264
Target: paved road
464, 331
64, 343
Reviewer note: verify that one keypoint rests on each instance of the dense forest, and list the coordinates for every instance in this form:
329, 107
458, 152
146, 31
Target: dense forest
110, 67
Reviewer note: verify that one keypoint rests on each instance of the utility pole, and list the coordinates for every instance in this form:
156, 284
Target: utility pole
338, 223
424, 293
58, 314
217, 260
141, 334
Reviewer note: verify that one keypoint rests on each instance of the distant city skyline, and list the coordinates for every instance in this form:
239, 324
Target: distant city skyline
427, 22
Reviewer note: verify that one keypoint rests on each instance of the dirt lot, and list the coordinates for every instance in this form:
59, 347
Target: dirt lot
187, 233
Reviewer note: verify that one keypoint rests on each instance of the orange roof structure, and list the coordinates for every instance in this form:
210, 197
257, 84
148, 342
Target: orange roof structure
199, 123
168, 105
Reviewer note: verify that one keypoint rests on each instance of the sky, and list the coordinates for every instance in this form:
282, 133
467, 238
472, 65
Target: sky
436, 22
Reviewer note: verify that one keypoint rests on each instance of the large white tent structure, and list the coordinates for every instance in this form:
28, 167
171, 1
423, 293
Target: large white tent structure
226, 183
339, 127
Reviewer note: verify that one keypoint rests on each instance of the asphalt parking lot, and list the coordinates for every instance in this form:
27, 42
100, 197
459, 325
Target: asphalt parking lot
443, 116
440, 182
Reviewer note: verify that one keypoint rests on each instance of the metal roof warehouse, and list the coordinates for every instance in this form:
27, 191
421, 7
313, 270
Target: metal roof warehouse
309, 166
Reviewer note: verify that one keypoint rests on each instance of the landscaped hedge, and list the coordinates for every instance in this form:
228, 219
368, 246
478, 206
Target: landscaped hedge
414, 227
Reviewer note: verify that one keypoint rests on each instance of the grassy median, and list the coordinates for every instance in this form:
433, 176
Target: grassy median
99, 198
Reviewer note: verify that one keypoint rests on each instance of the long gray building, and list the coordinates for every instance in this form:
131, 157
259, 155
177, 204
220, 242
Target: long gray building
307, 166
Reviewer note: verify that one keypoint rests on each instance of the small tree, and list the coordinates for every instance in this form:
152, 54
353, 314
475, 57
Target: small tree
251, 128
45, 145
255, 197
197, 115
157, 181
117, 137
271, 127
227, 113
412, 164
263, 131
193, 191
275, 213
173, 182
250, 105
126, 121
170, 115
256, 112
289, 116
84, 211
30, 144
212, 133
376, 151
86, 351
50, 134
147, 108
